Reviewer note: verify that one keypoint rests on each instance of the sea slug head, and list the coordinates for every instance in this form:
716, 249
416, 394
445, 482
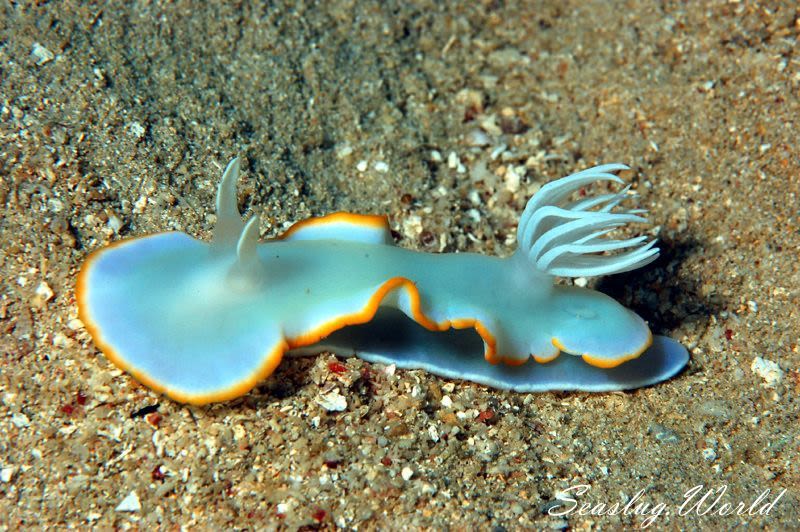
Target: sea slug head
234, 239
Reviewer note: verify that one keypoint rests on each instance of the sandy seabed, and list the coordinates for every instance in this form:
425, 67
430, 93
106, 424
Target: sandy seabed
116, 119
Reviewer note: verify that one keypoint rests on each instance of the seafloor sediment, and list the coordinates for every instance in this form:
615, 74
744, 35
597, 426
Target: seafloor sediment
116, 119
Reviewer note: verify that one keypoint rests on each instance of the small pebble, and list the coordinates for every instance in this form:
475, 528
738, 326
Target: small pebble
407, 473
139, 205
477, 138
412, 225
767, 370
452, 160
20, 420
129, 504
471, 99
55, 205
41, 54
497, 151
137, 130
332, 402
42, 295
664, 434
716, 408
428, 489
6, 474
61, 340
512, 178
343, 151
114, 223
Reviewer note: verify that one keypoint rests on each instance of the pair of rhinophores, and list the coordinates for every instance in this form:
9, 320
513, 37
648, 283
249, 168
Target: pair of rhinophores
204, 322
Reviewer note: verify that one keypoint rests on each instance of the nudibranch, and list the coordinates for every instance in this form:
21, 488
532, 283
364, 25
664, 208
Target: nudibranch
204, 322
